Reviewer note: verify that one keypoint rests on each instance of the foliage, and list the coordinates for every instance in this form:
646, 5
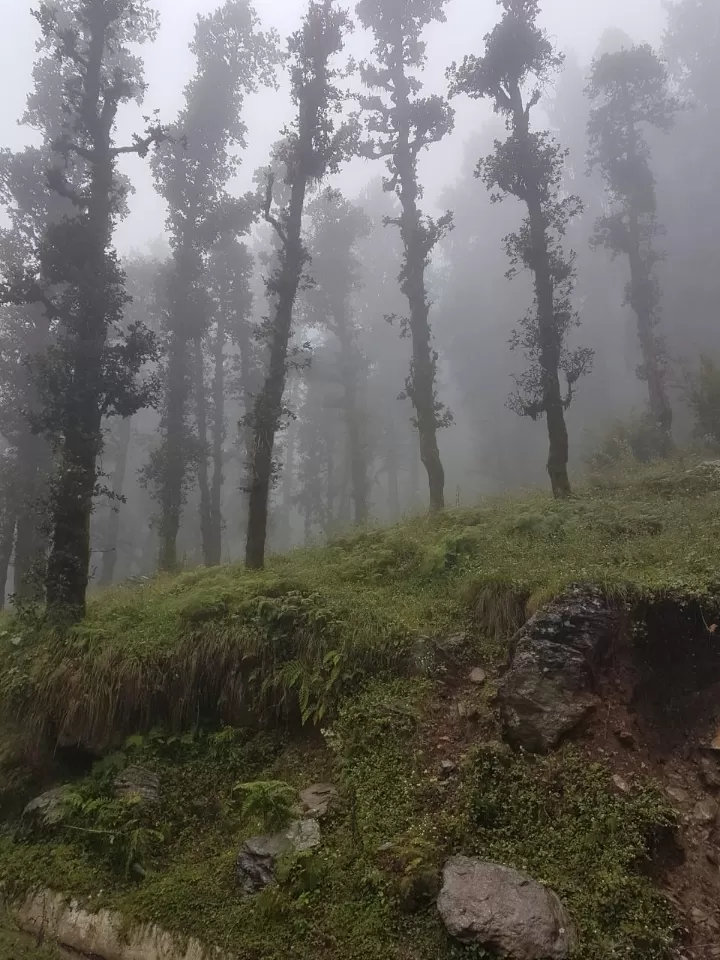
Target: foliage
629, 91
270, 801
529, 165
313, 147
567, 826
401, 125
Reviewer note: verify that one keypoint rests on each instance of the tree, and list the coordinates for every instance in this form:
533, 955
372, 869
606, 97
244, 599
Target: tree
313, 147
401, 124
91, 368
192, 172
337, 226
628, 90
519, 58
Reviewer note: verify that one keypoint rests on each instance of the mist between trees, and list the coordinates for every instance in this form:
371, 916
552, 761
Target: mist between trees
294, 361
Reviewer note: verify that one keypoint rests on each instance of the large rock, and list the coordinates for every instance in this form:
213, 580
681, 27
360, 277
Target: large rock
550, 685
48, 808
317, 799
505, 911
138, 783
258, 857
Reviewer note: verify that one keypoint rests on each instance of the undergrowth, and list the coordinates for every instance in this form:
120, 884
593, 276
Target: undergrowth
367, 893
288, 644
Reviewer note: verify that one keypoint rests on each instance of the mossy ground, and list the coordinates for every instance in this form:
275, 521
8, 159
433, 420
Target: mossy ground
367, 892
171, 673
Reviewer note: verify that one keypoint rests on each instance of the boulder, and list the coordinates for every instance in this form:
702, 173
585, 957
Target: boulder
258, 857
549, 687
138, 783
48, 808
317, 799
502, 910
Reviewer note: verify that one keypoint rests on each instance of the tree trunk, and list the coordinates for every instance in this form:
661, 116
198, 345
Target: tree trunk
206, 527
288, 486
642, 301
553, 405
7, 538
267, 412
421, 382
174, 462
218, 441
31, 533
357, 452
68, 567
391, 464
110, 544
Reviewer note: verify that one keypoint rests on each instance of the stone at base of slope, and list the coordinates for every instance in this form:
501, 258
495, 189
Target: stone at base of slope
103, 934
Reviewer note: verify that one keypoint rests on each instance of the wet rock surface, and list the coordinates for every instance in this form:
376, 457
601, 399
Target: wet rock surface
550, 685
257, 861
500, 909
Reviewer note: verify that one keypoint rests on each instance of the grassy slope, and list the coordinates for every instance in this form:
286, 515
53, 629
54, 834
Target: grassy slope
317, 627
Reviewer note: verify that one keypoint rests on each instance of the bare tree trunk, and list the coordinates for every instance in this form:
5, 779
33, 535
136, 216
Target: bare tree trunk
288, 486
218, 441
391, 464
557, 465
7, 538
174, 465
642, 301
206, 531
110, 541
268, 409
357, 451
31, 532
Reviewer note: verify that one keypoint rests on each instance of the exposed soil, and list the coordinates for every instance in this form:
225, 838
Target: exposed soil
658, 714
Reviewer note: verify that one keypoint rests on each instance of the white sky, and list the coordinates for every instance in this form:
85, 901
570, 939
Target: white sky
576, 24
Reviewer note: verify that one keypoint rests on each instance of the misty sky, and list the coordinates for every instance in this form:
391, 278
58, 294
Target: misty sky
576, 24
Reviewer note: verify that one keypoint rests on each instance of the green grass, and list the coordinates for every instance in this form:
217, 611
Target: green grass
292, 641
367, 892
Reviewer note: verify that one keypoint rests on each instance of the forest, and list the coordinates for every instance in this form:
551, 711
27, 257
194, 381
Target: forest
360, 481
286, 363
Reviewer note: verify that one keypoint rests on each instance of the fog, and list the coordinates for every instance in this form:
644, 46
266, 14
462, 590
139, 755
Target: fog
370, 415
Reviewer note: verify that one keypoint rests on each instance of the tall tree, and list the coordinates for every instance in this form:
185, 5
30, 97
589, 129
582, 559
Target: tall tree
401, 125
336, 228
313, 147
91, 368
519, 58
629, 92
192, 172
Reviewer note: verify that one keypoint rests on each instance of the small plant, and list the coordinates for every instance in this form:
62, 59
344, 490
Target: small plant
270, 801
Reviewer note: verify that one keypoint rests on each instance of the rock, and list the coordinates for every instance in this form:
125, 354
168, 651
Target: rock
505, 911
303, 835
54, 916
705, 811
448, 768
138, 783
709, 773
467, 711
678, 794
478, 676
549, 687
626, 738
317, 799
429, 655
621, 784
48, 807
258, 857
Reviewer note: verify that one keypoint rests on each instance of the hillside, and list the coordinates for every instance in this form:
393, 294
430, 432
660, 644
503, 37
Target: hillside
188, 714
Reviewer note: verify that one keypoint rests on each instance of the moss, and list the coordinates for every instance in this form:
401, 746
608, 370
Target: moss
561, 820
366, 893
292, 641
